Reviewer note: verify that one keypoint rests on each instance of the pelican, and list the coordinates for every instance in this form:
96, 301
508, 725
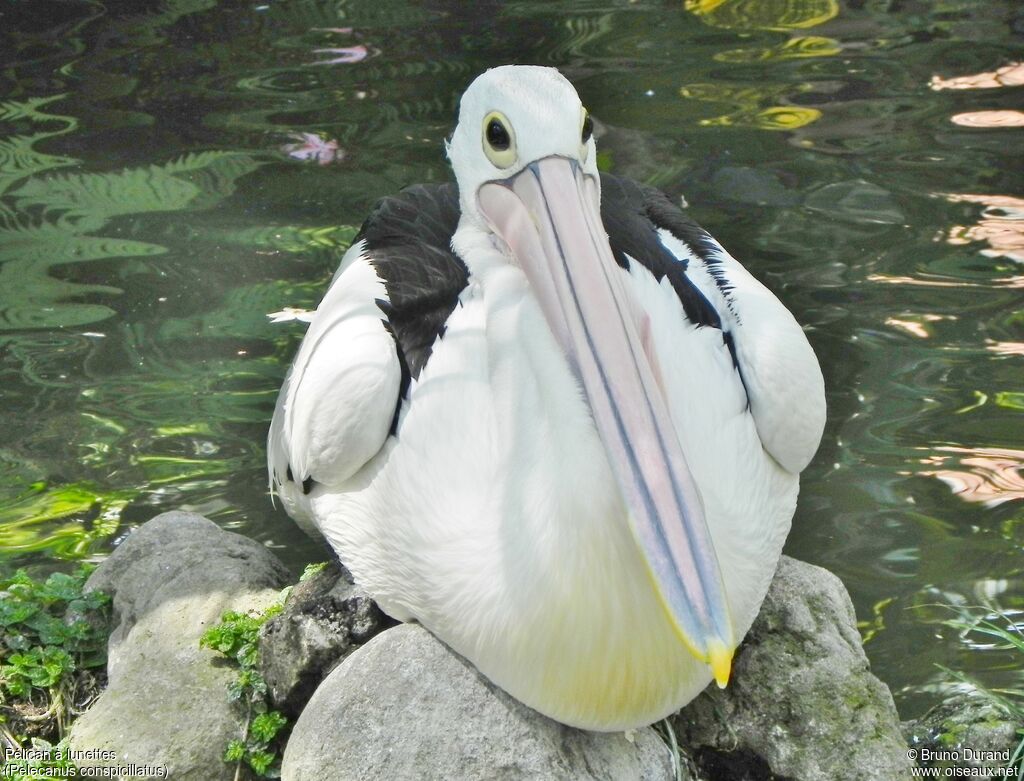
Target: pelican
551, 419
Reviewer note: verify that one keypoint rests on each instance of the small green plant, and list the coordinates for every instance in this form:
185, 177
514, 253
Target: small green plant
237, 637
312, 570
53, 639
36, 668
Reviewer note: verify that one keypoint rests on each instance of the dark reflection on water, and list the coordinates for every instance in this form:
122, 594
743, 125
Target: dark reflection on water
172, 173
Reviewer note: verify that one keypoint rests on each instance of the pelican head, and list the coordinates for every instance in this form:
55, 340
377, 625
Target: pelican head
513, 116
526, 165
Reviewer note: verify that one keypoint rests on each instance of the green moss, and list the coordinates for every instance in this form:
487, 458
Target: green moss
952, 734
855, 697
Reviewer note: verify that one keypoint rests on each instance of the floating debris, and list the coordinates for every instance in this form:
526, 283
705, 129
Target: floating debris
291, 314
313, 147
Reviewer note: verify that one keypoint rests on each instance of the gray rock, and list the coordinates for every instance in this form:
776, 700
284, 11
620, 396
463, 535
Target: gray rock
802, 703
965, 731
166, 702
324, 619
404, 706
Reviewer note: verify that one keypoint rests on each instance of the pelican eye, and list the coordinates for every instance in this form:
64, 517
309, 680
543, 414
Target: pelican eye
586, 132
497, 136
499, 140
588, 127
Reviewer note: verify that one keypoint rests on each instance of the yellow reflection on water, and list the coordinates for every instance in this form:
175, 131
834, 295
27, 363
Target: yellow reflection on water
772, 118
801, 47
749, 101
749, 15
66, 520
763, 14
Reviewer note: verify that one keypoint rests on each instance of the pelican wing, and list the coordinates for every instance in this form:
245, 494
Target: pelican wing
774, 362
371, 334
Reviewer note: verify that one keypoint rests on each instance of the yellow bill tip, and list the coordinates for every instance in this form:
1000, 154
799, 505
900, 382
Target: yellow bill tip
720, 661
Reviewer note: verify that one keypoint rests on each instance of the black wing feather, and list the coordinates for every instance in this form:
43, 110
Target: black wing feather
408, 240
632, 213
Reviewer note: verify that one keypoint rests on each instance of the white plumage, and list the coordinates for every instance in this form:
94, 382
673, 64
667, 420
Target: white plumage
493, 514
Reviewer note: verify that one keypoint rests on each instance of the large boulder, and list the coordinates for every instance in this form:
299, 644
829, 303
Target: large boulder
325, 618
404, 706
166, 703
802, 703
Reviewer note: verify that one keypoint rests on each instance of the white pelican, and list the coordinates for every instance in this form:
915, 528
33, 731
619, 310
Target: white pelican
548, 417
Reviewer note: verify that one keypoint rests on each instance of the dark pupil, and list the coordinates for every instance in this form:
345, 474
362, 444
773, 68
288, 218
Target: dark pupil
497, 136
588, 128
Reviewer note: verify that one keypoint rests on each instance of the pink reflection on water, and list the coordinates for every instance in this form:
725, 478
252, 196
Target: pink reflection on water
1005, 348
892, 279
1001, 225
994, 118
312, 147
1010, 75
916, 325
344, 55
912, 328
991, 475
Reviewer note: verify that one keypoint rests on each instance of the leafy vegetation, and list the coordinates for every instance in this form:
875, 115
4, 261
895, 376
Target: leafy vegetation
1007, 636
237, 638
53, 639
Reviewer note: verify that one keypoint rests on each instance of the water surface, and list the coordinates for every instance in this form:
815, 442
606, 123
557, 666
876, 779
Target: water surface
171, 173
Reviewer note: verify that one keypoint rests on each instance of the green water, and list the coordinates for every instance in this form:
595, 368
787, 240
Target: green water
154, 209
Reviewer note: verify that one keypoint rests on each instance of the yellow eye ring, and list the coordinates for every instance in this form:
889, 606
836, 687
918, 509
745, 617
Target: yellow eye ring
499, 140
